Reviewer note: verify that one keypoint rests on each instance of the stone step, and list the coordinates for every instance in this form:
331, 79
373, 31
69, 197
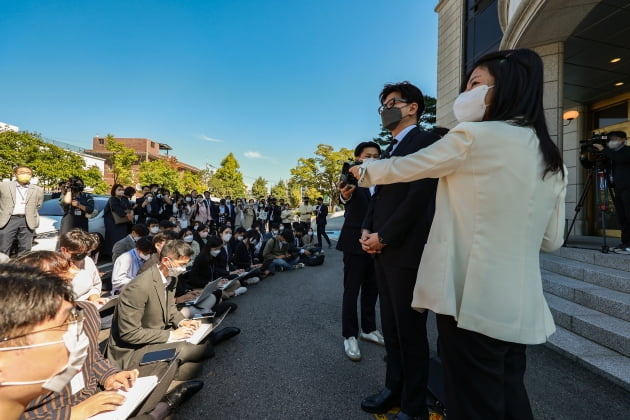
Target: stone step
599, 359
595, 257
611, 302
601, 328
610, 278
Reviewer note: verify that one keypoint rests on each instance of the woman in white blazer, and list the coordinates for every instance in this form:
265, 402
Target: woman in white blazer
500, 200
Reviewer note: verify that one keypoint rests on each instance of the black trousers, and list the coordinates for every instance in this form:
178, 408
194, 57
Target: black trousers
483, 376
358, 276
16, 228
321, 231
622, 206
405, 333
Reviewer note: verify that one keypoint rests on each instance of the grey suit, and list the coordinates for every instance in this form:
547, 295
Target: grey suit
144, 317
125, 244
21, 227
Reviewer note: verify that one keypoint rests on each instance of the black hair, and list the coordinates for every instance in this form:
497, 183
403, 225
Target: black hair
140, 229
212, 241
364, 145
114, 188
408, 92
130, 191
29, 297
620, 134
518, 97
152, 221
145, 245
76, 240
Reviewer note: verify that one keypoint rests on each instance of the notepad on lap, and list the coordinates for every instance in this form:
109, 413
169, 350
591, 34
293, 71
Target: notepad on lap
203, 331
134, 397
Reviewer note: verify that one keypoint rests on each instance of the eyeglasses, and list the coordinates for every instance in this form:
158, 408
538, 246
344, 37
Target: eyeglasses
390, 104
78, 257
74, 317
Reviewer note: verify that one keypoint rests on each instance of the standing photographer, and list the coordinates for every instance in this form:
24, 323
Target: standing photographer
618, 154
358, 265
77, 206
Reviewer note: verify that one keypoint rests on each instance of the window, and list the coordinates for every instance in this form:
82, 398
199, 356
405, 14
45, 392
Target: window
613, 115
483, 32
152, 145
101, 141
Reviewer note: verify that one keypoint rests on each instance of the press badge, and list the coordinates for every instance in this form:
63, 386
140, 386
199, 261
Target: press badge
77, 383
77, 212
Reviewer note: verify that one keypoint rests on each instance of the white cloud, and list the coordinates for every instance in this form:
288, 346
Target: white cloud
210, 139
254, 155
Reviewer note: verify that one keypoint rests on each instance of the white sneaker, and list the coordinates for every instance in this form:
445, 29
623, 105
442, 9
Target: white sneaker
351, 347
375, 337
240, 291
251, 280
299, 265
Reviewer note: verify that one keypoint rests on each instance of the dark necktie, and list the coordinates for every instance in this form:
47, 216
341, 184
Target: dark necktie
388, 152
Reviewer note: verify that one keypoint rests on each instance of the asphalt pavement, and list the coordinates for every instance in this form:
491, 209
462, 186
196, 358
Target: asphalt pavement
288, 362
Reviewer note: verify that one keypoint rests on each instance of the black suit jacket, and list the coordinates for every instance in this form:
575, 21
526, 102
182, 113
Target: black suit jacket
356, 209
402, 213
320, 217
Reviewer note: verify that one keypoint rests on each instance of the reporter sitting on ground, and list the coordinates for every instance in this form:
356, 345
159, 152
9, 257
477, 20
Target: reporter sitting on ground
146, 318
128, 243
188, 235
38, 330
75, 245
129, 263
158, 242
277, 252
618, 153
242, 258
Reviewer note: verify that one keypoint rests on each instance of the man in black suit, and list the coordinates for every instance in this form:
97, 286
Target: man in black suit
321, 212
395, 230
358, 266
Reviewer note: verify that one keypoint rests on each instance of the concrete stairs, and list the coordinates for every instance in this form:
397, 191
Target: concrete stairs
588, 293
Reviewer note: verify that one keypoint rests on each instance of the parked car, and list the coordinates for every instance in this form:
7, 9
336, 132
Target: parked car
47, 234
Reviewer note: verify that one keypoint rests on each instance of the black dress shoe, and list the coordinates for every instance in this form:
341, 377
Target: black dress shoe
223, 334
181, 393
382, 402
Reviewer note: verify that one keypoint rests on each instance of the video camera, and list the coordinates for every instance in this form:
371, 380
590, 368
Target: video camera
346, 177
588, 153
75, 184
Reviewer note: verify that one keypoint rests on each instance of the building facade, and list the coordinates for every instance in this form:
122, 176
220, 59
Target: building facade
585, 47
147, 150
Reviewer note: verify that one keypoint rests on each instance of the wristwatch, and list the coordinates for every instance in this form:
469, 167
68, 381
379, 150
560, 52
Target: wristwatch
380, 239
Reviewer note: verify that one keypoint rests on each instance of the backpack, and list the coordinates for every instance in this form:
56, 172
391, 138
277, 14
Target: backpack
313, 260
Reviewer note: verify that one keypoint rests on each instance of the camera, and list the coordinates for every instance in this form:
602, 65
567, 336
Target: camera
588, 153
346, 177
75, 184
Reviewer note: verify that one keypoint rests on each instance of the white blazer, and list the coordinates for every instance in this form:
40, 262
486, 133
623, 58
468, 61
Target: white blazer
494, 213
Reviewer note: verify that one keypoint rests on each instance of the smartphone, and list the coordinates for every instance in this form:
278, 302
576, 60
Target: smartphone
204, 315
158, 356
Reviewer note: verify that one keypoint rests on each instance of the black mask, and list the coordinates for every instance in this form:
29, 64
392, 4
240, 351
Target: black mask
391, 117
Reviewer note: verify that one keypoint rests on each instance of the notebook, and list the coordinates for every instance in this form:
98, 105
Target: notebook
203, 331
135, 396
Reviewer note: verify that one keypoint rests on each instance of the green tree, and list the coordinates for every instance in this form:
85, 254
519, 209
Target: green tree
189, 181
295, 193
321, 173
122, 158
158, 172
280, 191
259, 187
228, 180
92, 177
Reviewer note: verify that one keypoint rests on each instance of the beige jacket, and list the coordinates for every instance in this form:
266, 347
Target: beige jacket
494, 213
34, 200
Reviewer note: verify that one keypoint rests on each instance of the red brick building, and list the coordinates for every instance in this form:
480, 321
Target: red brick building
147, 150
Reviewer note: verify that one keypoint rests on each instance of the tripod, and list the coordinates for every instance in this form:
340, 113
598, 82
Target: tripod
597, 177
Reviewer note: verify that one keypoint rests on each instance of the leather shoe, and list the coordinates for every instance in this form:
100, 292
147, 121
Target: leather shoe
403, 416
382, 402
223, 334
181, 393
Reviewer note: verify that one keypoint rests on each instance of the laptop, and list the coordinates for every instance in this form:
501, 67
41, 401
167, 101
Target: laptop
205, 293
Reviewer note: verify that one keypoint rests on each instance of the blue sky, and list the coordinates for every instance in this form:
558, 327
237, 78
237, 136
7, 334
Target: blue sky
266, 80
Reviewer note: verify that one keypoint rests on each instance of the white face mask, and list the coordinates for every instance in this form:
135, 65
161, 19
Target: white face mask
239, 238
614, 144
78, 349
471, 106
253, 241
227, 237
175, 271
144, 257
154, 229
215, 252
188, 238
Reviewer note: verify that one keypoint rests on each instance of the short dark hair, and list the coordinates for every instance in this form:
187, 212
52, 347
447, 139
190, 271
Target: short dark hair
152, 221
620, 134
364, 145
145, 245
114, 188
409, 92
29, 297
76, 240
176, 249
518, 97
130, 191
213, 241
140, 229
287, 234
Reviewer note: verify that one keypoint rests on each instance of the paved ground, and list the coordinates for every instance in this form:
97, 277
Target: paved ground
289, 363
